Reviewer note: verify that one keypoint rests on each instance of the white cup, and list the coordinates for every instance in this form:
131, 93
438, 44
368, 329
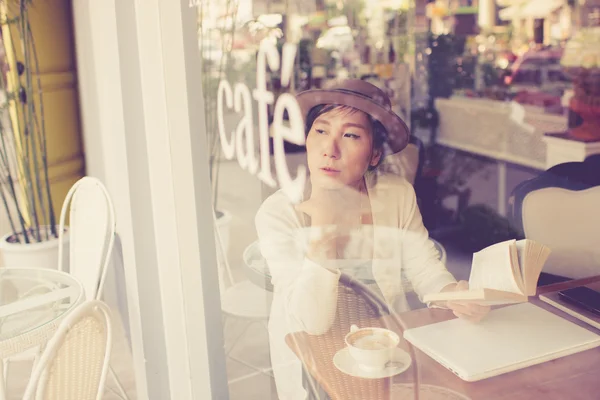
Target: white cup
371, 348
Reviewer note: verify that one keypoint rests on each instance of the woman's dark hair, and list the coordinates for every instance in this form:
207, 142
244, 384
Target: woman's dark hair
379, 132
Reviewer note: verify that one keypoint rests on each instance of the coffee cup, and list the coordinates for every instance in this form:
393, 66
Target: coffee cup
371, 348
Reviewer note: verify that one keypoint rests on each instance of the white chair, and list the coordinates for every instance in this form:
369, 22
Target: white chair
569, 223
559, 208
92, 227
241, 300
91, 238
75, 361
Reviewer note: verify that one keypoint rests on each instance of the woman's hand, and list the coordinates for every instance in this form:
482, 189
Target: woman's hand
345, 206
338, 212
467, 310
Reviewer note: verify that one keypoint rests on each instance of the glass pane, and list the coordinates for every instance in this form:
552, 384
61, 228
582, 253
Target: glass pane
331, 212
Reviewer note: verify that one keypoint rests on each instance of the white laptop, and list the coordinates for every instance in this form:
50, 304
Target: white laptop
508, 339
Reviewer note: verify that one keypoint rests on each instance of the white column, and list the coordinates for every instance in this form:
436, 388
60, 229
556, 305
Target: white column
142, 111
103, 122
173, 204
198, 274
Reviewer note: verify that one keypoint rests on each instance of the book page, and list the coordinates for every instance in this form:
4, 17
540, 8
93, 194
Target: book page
492, 268
516, 267
522, 252
536, 255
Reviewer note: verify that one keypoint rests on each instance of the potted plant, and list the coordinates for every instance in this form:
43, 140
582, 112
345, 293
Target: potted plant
25, 196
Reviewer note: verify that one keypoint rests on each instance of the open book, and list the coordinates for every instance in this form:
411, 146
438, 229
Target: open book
503, 273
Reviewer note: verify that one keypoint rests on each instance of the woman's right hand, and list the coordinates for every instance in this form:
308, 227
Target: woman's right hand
340, 207
338, 213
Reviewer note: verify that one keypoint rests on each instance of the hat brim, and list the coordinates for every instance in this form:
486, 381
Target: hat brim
398, 132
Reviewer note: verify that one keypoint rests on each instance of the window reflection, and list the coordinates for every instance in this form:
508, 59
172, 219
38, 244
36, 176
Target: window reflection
483, 103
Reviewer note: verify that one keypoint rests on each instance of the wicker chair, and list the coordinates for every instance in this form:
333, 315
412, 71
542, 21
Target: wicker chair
357, 305
91, 244
91, 239
74, 364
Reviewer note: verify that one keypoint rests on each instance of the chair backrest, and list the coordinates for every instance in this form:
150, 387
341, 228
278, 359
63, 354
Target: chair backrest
559, 208
569, 223
92, 228
573, 176
256, 266
408, 163
75, 362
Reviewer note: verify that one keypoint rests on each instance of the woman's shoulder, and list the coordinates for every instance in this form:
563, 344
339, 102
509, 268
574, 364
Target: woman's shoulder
388, 181
278, 200
277, 208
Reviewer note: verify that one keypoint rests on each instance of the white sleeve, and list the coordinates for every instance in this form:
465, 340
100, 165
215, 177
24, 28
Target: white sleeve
309, 291
421, 262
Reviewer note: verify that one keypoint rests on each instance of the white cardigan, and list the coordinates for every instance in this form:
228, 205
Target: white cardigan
305, 294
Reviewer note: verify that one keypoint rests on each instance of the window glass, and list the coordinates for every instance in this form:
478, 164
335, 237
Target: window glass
361, 153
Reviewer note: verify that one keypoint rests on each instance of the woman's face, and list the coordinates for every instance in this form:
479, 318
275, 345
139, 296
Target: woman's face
339, 148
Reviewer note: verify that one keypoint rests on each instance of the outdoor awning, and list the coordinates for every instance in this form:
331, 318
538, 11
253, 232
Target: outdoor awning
530, 9
506, 3
512, 12
541, 8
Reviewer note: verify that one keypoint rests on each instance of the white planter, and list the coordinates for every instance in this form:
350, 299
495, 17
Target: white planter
32, 255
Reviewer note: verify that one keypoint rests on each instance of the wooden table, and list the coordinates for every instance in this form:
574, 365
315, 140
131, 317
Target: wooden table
575, 377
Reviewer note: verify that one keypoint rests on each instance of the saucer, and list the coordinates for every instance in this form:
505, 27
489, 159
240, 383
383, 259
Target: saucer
345, 363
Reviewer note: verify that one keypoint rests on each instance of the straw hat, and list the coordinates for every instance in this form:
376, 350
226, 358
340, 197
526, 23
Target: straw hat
363, 96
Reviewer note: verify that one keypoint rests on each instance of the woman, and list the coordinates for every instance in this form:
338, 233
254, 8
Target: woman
350, 129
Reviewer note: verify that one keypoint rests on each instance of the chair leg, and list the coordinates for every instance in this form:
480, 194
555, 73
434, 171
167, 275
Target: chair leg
36, 358
313, 389
3, 376
117, 382
234, 343
264, 371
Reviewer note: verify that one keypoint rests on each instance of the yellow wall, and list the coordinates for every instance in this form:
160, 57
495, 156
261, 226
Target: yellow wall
52, 28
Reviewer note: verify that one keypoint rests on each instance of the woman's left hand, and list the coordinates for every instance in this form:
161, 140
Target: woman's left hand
467, 310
